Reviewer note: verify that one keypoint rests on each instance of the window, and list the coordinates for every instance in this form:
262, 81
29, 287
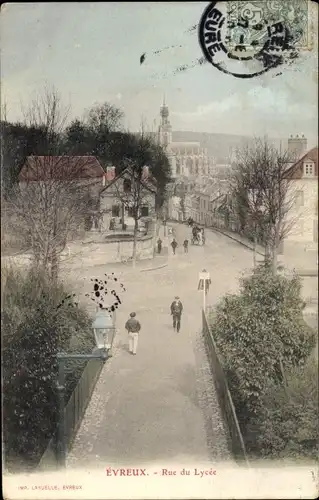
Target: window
130, 212
299, 199
144, 211
127, 185
309, 169
299, 227
115, 211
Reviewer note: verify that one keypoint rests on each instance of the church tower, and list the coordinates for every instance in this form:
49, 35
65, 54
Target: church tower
165, 128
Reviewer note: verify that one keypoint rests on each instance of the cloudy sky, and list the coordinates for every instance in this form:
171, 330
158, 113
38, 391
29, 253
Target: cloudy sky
90, 53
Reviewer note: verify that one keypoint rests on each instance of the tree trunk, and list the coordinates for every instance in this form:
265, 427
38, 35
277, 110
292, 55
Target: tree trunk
54, 266
135, 242
156, 232
274, 253
255, 249
123, 216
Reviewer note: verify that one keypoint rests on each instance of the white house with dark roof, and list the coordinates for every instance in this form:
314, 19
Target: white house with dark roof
303, 177
115, 196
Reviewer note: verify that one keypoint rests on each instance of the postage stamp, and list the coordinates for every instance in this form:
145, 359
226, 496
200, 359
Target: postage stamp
246, 39
248, 22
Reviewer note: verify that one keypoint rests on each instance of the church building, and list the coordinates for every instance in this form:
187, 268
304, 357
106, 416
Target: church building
187, 159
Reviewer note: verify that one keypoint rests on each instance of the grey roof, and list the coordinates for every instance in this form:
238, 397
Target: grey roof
150, 188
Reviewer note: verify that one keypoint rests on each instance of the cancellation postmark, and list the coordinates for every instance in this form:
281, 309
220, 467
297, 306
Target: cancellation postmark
246, 39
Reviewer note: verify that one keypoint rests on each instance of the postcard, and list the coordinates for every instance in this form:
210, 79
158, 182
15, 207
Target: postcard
159, 250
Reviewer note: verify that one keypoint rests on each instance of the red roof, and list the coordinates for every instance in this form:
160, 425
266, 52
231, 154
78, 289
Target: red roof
42, 168
296, 170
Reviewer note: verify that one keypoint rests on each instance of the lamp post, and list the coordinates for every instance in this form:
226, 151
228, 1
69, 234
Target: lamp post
203, 284
104, 332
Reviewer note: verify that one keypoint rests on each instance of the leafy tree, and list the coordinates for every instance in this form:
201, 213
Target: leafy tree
19, 141
287, 423
78, 139
38, 319
261, 334
92, 134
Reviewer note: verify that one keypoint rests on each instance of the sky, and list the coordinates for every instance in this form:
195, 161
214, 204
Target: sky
90, 53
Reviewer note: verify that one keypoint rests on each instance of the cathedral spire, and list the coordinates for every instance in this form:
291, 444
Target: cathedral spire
165, 130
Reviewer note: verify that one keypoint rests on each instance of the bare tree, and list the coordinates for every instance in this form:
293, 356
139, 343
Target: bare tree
46, 111
264, 195
50, 204
104, 118
134, 193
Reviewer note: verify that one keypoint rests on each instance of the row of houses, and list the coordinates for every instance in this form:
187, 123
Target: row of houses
213, 208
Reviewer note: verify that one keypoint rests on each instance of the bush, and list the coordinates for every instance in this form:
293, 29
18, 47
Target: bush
261, 336
287, 425
38, 319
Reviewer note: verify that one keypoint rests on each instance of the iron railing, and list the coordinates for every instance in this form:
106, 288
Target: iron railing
237, 444
74, 411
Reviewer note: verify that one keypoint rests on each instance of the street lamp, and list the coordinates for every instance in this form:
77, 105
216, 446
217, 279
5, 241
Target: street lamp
104, 329
104, 332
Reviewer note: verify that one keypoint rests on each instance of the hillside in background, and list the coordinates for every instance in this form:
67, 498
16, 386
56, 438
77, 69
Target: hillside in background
219, 146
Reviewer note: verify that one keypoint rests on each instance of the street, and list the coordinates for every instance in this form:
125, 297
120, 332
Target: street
161, 403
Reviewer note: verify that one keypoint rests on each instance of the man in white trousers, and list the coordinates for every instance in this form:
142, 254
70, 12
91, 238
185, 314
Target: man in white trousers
133, 327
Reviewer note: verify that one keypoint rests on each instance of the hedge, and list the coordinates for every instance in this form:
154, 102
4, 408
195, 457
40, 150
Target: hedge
38, 319
265, 346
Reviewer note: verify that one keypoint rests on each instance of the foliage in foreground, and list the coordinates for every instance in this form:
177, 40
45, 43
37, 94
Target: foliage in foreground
264, 344
287, 425
35, 326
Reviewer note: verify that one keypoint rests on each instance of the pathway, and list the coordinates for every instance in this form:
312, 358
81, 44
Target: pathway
161, 404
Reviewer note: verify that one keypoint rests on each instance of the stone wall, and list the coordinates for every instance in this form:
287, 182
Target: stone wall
116, 251
94, 253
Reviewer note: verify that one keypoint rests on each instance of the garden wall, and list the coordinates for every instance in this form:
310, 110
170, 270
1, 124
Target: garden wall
116, 250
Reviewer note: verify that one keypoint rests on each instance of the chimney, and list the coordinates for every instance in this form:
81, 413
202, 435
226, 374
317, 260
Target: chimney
297, 147
110, 173
145, 173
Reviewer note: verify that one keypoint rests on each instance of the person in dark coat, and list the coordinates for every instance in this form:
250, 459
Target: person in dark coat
133, 327
159, 245
176, 312
174, 245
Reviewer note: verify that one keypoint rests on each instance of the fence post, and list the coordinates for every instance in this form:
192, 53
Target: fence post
60, 445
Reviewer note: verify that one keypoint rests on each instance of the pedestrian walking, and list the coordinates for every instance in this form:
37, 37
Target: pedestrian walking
174, 245
133, 327
185, 245
176, 312
159, 245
